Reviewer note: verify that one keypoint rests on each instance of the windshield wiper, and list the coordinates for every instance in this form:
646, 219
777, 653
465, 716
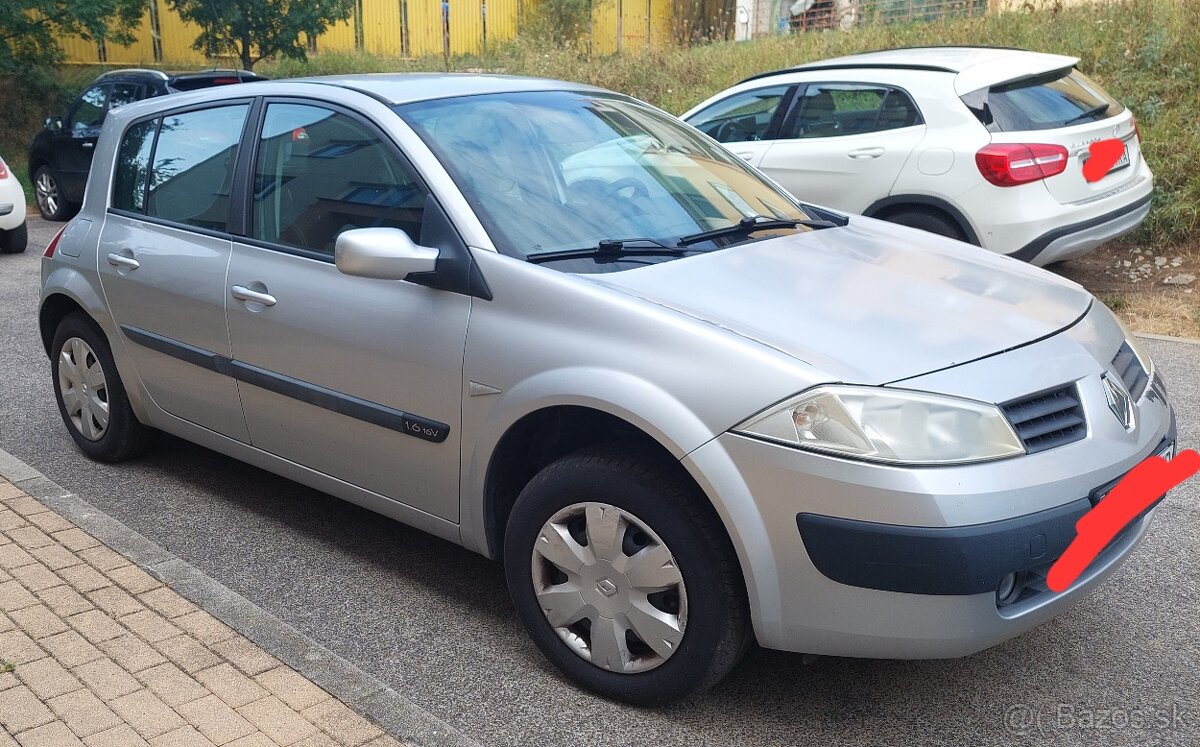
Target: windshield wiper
611, 249
1089, 113
751, 224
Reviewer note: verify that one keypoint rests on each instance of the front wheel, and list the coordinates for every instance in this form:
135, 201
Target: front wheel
91, 397
625, 578
51, 202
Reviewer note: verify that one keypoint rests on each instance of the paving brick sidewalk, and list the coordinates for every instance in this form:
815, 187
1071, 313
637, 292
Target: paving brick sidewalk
95, 651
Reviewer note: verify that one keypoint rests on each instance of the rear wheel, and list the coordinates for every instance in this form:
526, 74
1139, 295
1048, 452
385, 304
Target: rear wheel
14, 241
51, 202
91, 397
928, 221
625, 579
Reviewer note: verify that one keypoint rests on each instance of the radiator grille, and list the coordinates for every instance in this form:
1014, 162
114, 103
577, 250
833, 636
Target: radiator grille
1048, 419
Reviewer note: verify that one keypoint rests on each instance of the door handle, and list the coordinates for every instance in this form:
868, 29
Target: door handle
860, 153
123, 260
745, 156
242, 293
89, 145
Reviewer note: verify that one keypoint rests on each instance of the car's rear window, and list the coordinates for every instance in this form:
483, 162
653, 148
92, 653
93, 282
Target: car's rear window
1060, 99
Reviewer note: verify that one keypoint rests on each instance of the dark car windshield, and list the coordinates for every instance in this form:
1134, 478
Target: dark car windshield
550, 171
1059, 99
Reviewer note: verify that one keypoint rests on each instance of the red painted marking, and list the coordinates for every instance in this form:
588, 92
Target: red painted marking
1136, 492
1102, 156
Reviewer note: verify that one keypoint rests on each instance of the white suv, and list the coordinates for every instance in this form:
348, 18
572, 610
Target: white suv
981, 144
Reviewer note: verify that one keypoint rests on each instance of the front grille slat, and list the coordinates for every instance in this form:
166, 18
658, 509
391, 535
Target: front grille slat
1048, 419
1135, 378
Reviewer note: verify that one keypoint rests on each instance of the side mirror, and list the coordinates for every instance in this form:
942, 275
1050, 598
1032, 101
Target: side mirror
384, 253
54, 124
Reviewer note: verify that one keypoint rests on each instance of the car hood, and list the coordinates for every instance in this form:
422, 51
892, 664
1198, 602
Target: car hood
868, 303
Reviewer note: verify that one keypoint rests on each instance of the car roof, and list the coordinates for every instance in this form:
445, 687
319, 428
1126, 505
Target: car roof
403, 88
973, 67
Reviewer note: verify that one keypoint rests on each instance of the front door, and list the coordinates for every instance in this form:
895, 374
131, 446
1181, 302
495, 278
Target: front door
357, 378
745, 121
163, 255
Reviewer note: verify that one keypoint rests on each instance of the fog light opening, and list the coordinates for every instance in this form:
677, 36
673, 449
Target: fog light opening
1009, 590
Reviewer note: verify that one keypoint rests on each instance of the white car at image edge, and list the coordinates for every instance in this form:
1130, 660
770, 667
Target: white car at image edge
13, 237
984, 145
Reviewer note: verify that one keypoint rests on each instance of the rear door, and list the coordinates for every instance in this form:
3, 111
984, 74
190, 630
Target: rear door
76, 141
1062, 107
745, 121
164, 251
843, 144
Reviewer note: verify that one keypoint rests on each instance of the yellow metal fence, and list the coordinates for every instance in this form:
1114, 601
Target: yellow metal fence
395, 28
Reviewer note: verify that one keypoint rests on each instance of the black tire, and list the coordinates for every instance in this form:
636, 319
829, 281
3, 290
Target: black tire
928, 221
125, 437
717, 631
63, 210
14, 241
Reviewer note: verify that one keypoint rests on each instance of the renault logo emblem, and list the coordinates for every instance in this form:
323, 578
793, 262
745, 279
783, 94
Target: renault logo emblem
1119, 400
606, 587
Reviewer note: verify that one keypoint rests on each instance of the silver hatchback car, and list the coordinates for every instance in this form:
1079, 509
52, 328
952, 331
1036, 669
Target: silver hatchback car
557, 326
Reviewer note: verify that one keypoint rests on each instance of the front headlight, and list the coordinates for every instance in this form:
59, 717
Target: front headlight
888, 425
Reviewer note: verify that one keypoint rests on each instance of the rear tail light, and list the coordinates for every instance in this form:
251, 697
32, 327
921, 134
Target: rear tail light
54, 242
1010, 164
3, 169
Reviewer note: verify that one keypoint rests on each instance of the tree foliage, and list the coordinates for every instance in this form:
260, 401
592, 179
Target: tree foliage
30, 29
252, 30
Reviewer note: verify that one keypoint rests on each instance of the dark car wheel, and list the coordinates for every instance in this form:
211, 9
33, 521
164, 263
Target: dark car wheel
926, 221
625, 578
91, 398
51, 202
14, 240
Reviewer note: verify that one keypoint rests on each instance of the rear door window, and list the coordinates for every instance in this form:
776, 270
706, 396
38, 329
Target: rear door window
192, 176
835, 109
1058, 99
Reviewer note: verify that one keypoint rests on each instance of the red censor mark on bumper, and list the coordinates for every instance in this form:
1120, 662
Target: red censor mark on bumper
1102, 156
1135, 493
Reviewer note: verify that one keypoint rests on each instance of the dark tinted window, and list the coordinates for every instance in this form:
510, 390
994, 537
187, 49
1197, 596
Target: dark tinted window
1060, 99
193, 166
89, 110
122, 94
133, 160
835, 109
740, 118
320, 172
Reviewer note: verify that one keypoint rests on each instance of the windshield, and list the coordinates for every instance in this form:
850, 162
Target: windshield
551, 171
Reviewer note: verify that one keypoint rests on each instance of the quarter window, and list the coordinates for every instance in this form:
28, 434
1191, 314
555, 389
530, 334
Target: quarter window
742, 117
89, 110
834, 109
321, 172
193, 166
133, 162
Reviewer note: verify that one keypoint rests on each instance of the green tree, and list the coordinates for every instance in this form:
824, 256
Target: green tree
30, 29
252, 30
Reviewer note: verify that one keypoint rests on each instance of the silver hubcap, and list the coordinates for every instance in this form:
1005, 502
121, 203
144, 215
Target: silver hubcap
47, 193
83, 388
609, 587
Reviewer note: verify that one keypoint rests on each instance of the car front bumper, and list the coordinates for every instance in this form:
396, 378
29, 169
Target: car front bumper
913, 571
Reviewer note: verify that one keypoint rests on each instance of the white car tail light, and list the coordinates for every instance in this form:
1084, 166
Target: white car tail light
1010, 164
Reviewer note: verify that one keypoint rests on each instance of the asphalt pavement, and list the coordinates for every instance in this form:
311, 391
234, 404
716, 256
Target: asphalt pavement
434, 622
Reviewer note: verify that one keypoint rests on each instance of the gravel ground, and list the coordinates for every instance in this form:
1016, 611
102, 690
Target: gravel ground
434, 621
